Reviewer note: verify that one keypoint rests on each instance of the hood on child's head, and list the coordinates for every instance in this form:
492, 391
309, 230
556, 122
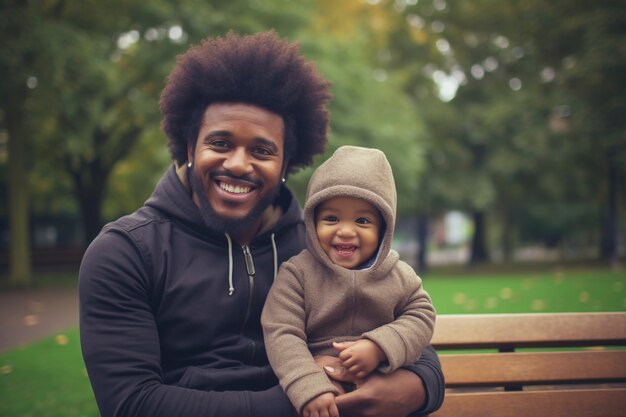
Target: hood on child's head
353, 171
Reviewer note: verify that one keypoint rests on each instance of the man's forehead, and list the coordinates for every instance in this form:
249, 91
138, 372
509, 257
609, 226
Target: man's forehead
228, 117
219, 110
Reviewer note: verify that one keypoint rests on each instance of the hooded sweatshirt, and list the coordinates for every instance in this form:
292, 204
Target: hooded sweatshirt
169, 311
314, 302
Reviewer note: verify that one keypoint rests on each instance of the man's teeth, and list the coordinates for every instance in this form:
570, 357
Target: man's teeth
236, 189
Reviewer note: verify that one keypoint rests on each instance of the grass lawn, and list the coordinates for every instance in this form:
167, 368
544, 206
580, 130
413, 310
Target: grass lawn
553, 290
48, 378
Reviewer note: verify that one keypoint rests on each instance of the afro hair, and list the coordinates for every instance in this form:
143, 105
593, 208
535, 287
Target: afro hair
260, 69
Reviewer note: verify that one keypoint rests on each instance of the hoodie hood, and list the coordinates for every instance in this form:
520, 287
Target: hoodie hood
353, 172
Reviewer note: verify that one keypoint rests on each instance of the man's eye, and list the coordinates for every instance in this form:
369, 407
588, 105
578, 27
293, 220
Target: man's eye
219, 144
362, 220
262, 151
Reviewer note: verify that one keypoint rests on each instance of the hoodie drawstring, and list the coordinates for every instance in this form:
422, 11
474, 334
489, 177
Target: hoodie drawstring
275, 256
231, 288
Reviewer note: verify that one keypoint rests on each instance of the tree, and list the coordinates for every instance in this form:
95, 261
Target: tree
588, 55
103, 70
516, 74
16, 55
369, 107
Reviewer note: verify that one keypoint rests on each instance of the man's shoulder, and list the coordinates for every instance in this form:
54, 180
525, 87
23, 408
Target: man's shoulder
140, 227
140, 219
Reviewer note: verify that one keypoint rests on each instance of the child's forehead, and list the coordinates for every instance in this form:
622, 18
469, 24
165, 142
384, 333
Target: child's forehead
342, 202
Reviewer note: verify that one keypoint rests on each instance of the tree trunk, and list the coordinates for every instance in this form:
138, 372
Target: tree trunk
610, 232
91, 177
19, 231
507, 236
89, 186
91, 217
479, 248
422, 243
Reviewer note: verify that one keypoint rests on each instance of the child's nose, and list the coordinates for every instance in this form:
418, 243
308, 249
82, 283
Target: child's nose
346, 230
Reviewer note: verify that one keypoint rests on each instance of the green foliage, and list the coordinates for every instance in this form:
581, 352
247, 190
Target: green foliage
133, 179
369, 109
535, 117
532, 116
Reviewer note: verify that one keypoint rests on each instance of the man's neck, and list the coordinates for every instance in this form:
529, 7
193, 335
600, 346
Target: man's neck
244, 239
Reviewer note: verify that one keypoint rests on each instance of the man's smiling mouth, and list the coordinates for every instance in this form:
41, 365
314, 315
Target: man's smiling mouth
235, 189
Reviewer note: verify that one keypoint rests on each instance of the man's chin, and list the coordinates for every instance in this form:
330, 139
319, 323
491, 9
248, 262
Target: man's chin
232, 224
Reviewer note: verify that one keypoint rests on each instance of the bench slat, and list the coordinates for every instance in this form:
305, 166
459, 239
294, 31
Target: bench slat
556, 403
497, 369
459, 331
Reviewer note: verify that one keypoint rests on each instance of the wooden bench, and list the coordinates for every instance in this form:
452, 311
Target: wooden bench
575, 365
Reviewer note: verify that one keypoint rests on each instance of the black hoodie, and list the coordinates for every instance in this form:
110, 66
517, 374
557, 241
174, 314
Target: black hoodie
156, 317
170, 313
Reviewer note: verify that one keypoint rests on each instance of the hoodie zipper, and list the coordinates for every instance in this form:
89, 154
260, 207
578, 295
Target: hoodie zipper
250, 269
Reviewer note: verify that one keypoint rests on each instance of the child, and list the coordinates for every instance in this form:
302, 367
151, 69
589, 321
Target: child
348, 285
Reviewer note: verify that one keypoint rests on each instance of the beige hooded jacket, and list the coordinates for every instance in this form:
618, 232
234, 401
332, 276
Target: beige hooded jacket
314, 302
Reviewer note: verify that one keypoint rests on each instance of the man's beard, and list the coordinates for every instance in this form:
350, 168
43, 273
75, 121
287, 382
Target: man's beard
223, 224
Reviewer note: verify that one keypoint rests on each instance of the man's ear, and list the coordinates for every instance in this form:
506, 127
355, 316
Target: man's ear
283, 171
189, 153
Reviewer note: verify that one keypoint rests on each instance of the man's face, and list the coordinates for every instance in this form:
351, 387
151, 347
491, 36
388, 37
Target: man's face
237, 164
348, 230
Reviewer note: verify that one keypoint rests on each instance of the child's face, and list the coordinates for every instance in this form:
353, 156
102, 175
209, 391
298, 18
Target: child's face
348, 229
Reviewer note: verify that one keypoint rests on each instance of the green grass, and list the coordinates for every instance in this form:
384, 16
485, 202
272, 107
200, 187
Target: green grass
48, 378
544, 291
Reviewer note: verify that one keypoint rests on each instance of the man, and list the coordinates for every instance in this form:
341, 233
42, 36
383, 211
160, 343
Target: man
171, 295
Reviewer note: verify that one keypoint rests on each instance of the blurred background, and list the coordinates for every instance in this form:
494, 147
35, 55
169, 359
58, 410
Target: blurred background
504, 122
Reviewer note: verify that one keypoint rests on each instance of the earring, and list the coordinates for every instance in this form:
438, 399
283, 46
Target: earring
189, 164
283, 180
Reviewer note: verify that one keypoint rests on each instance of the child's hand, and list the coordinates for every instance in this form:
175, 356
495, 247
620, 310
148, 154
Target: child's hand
360, 357
321, 406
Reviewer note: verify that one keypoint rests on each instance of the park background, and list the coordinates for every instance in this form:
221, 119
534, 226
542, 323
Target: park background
504, 123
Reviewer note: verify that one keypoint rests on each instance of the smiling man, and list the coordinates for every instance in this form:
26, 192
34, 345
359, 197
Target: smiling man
171, 295
237, 165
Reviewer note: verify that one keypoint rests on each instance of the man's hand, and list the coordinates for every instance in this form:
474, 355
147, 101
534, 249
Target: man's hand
360, 357
330, 364
321, 406
392, 395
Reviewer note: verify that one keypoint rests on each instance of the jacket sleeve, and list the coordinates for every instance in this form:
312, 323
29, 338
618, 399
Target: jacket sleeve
404, 339
121, 349
428, 368
283, 321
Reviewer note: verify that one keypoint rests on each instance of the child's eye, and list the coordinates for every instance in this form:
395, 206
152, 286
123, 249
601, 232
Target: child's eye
362, 220
331, 219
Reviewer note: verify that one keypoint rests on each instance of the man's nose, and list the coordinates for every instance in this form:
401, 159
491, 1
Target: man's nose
238, 162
